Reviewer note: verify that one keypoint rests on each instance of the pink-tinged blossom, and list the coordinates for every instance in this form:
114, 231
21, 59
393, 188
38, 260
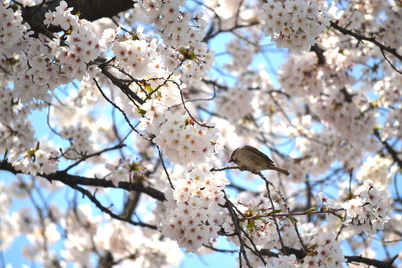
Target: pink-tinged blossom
376, 169
127, 171
183, 33
34, 161
233, 104
369, 210
255, 220
177, 217
303, 21
48, 66
187, 144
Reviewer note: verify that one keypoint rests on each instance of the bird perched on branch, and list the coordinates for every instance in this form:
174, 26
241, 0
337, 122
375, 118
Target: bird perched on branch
252, 159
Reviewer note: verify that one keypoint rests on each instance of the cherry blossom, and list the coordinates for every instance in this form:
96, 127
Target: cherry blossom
116, 129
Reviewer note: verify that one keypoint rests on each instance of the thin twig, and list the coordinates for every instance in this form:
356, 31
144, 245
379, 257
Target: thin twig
106, 210
121, 111
85, 157
164, 167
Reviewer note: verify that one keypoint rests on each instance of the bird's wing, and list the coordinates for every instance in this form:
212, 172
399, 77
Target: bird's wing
260, 153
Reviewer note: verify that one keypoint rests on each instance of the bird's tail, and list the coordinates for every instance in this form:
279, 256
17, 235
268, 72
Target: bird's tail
281, 170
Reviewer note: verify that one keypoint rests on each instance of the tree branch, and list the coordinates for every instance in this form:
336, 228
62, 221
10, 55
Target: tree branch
390, 150
75, 180
117, 82
106, 210
89, 9
361, 38
371, 262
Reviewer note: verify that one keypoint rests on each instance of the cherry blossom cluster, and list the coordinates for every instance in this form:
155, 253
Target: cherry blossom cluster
294, 24
377, 170
176, 30
285, 261
87, 95
44, 65
82, 227
255, 219
242, 54
325, 251
149, 248
195, 62
137, 57
8, 228
12, 29
322, 248
34, 161
192, 214
182, 35
40, 231
179, 137
128, 171
79, 138
378, 16
298, 76
392, 26
234, 104
320, 154
86, 232
389, 90
153, 66
40, 239
393, 124
167, 93
354, 15
83, 45
16, 131
369, 210
335, 110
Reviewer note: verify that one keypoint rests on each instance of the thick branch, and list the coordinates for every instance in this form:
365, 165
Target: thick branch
75, 180
389, 148
370, 262
365, 38
106, 210
300, 254
89, 9
120, 84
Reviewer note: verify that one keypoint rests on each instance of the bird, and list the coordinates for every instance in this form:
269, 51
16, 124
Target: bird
250, 158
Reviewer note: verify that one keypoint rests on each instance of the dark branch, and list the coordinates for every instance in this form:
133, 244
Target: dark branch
361, 38
117, 82
390, 150
371, 262
106, 210
78, 180
89, 9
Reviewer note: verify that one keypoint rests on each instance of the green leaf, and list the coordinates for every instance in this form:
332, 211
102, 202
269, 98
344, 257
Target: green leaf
293, 220
5, 154
141, 111
311, 210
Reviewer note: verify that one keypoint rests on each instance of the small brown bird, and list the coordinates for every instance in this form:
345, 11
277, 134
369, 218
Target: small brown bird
252, 159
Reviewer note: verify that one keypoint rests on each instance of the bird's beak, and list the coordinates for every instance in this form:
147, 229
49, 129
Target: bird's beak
231, 160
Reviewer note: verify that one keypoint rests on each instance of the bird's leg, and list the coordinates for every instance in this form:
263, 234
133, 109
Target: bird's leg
252, 170
243, 168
